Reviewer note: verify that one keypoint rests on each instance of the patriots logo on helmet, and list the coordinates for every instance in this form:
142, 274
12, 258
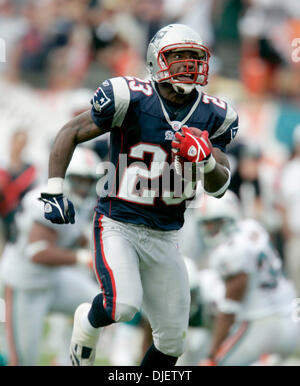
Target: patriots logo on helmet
159, 35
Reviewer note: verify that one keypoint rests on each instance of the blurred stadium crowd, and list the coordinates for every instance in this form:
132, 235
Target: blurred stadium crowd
57, 52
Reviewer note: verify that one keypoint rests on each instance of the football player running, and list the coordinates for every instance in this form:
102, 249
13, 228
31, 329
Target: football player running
255, 315
137, 261
206, 291
42, 271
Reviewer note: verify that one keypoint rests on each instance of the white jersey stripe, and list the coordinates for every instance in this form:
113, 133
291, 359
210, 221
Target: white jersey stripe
231, 116
122, 100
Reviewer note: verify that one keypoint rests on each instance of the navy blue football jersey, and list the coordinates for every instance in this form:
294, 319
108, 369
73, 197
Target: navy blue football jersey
142, 186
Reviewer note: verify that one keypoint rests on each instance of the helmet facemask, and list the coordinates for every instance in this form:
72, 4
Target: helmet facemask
80, 187
194, 71
216, 230
82, 175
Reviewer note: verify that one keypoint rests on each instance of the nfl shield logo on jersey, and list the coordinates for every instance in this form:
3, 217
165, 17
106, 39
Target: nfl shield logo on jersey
176, 125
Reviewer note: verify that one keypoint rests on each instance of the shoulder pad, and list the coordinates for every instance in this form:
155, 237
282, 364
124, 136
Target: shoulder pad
112, 99
229, 116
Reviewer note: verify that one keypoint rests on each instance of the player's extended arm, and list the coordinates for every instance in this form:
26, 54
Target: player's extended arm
82, 128
42, 249
235, 290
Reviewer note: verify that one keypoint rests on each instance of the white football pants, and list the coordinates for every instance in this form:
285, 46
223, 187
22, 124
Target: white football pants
26, 310
248, 341
137, 266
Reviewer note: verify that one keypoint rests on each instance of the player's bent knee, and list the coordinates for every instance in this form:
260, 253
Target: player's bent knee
171, 346
125, 312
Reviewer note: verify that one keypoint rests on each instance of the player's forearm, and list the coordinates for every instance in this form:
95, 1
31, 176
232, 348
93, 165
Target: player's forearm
78, 130
214, 180
61, 153
218, 177
222, 327
231, 304
53, 256
287, 233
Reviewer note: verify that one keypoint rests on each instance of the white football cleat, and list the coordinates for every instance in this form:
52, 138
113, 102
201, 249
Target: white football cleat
83, 345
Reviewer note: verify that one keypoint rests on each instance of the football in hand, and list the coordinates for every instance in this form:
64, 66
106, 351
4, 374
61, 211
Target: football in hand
184, 167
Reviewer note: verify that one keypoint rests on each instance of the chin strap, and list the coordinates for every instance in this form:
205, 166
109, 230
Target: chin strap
183, 88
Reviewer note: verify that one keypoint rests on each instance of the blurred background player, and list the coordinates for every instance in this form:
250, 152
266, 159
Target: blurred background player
16, 179
42, 270
125, 343
257, 302
245, 180
207, 289
289, 204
